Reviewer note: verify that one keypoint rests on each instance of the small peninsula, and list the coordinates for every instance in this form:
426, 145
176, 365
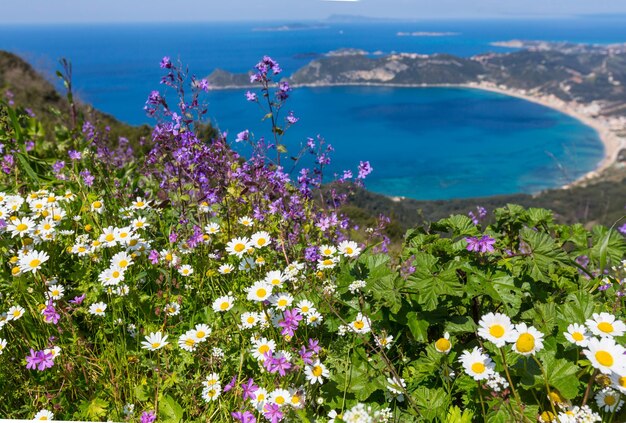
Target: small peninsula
585, 81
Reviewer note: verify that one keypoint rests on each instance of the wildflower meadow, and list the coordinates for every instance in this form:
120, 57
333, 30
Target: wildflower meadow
182, 278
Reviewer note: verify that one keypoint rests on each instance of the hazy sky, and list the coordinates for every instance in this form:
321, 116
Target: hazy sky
21, 11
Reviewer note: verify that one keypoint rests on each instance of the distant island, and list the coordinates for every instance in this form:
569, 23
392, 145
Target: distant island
585, 81
289, 27
427, 34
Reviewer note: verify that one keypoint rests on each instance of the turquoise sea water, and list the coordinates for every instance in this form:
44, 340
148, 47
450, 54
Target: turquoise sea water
422, 143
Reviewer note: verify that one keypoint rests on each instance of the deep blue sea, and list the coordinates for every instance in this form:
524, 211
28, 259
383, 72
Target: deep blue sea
431, 143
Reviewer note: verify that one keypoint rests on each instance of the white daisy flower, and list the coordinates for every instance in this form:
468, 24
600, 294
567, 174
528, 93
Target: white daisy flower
246, 221
212, 379
495, 328
97, 309
526, 339
361, 324
577, 334
261, 346
56, 291
139, 223
172, 309
619, 381
211, 393
15, 312
477, 364
202, 332
247, 264
225, 269
260, 239
281, 301
121, 260
280, 397
123, 235
32, 261
606, 356
349, 248
609, 400
188, 341
154, 341
223, 303
212, 228
55, 351
328, 250
111, 276
21, 227
97, 206
314, 318
327, 263
44, 415
305, 307
275, 278
605, 325
238, 246
185, 270
260, 398
316, 373
249, 320
139, 204
107, 237
3, 345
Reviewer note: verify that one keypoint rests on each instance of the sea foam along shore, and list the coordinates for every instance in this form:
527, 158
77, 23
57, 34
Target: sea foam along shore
607, 131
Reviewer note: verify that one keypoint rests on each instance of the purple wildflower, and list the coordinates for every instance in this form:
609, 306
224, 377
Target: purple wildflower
75, 155
153, 257
250, 96
314, 345
243, 136
306, 355
50, 315
230, 384
364, 169
278, 364
291, 119
166, 63
622, 229
78, 300
244, 416
148, 417
483, 244
311, 254
39, 360
29, 145
290, 322
249, 389
204, 85
88, 178
272, 412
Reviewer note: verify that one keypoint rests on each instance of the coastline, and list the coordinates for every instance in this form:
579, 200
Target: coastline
611, 141
609, 138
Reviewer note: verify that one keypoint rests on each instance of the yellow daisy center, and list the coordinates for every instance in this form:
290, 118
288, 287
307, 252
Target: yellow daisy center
359, 324
34, 263
264, 348
525, 343
280, 400
609, 400
200, 334
605, 327
224, 305
282, 302
139, 204
156, 344
261, 241
97, 204
327, 262
250, 319
349, 250
496, 331
478, 367
109, 237
304, 309
115, 274
577, 336
16, 313
442, 344
261, 292
317, 371
604, 358
239, 247
21, 227
622, 381
190, 342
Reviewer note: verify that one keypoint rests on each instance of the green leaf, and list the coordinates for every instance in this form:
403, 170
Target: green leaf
544, 255
503, 290
561, 374
455, 415
97, 408
432, 403
418, 328
170, 410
